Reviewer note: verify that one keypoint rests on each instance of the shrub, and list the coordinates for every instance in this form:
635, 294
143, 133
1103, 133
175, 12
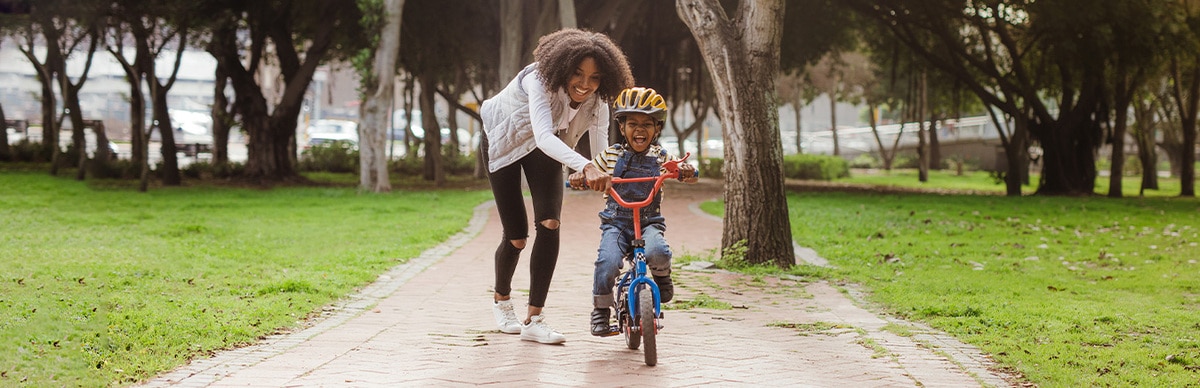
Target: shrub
815, 167
338, 156
865, 160
115, 169
27, 151
208, 170
712, 168
462, 164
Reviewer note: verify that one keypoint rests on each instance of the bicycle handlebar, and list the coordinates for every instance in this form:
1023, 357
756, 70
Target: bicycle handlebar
672, 167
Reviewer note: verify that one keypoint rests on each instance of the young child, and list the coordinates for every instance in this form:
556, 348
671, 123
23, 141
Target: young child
639, 114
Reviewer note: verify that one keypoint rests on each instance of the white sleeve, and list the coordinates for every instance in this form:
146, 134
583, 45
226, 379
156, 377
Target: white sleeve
598, 136
542, 120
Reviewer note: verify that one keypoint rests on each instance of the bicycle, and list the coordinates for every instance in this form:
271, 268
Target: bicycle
639, 313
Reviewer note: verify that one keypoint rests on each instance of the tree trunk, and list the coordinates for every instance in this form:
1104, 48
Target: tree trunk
566, 14
1144, 131
742, 54
833, 122
512, 39
1068, 158
1117, 172
935, 146
169, 173
221, 118
5, 152
1188, 102
799, 142
379, 94
434, 169
922, 146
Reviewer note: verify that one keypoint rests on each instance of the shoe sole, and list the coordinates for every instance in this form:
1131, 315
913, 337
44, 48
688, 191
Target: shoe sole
516, 330
523, 337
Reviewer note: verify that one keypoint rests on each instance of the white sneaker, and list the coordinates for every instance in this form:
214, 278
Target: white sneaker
505, 317
538, 330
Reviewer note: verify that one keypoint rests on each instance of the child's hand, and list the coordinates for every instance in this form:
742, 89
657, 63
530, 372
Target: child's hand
687, 173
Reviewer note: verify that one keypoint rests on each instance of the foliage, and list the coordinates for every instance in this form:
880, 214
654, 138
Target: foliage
337, 156
713, 168
454, 164
865, 160
105, 286
208, 170
27, 151
816, 167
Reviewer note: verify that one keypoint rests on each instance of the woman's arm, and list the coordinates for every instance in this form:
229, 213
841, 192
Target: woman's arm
542, 119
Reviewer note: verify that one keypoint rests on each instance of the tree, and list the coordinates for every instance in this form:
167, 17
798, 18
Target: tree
742, 55
1038, 62
1184, 62
378, 88
1136, 38
319, 29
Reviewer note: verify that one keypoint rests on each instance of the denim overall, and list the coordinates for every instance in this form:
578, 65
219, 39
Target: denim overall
616, 225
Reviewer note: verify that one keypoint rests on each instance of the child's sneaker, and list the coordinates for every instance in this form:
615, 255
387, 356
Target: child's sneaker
538, 330
666, 290
505, 317
601, 326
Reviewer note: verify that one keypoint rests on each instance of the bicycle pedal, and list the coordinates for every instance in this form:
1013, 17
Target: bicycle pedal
612, 330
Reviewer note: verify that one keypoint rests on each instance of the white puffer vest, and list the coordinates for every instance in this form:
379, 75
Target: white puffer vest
509, 130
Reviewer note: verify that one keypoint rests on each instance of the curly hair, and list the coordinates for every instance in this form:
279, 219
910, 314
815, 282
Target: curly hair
559, 54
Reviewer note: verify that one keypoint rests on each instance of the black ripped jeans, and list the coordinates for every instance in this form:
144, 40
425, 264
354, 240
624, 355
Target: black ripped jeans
545, 178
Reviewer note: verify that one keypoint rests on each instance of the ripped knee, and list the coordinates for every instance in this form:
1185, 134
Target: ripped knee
550, 224
519, 244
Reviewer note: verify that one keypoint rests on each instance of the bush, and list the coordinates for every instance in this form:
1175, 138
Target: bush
460, 165
27, 151
712, 168
115, 169
207, 170
865, 160
338, 156
815, 167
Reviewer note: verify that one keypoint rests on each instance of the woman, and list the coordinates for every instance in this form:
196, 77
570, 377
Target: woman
532, 126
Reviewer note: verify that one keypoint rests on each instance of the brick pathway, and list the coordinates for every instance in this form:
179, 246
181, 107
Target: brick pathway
429, 323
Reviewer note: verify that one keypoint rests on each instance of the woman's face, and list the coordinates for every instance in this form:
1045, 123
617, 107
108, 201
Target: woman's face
585, 80
639, 130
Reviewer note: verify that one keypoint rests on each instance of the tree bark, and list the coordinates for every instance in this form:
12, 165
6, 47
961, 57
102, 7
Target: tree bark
742, 54
434, 169
833, 122
1188, 102
373, 133
512, 39
221, 118
1143, 133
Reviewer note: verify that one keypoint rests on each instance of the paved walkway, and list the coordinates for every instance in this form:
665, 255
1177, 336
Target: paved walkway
429, 323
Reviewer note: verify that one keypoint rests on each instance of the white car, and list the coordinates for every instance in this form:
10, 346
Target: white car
328, 131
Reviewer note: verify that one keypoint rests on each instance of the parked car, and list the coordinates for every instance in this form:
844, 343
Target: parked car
328, 131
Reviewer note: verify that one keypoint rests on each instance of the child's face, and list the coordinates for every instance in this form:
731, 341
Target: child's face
640, 130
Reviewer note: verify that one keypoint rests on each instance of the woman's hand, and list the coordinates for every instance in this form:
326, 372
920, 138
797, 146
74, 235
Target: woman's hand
596, 180
577, 180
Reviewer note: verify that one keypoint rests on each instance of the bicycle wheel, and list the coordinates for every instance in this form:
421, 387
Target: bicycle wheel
649, 327
633, 339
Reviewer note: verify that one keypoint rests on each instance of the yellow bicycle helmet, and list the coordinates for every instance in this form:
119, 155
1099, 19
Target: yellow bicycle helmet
640, 100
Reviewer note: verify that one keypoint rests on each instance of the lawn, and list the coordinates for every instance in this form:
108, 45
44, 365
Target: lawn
1087, 291
983, 182
102, 285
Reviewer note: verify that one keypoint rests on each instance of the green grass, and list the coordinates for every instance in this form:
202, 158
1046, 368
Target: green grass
102, 285
981, 181
1087, 291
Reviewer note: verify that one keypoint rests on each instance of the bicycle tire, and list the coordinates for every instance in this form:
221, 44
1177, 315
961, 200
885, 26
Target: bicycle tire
633, 339
649, 327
